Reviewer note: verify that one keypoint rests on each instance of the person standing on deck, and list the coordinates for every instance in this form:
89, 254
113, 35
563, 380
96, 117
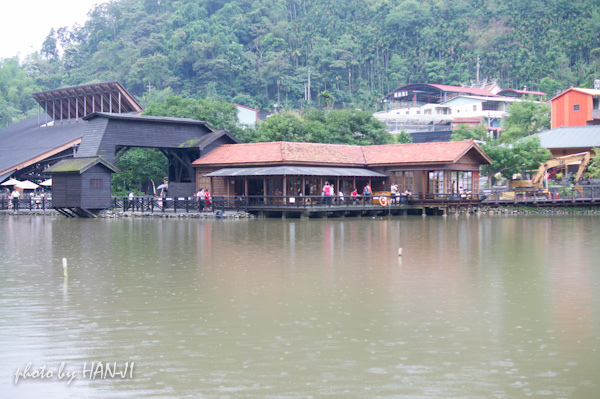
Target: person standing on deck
394, 193
200, 198
207, 199
367, 192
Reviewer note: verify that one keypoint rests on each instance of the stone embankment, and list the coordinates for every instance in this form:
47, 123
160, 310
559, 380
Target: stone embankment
111, 214
172, 215
527, 210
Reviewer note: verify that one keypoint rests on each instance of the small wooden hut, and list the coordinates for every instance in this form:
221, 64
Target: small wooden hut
81, 186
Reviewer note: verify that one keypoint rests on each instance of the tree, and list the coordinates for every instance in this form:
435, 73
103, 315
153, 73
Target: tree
336, 127
139, 166
328, 98
403, 138
594, 167
526, 118
509, 154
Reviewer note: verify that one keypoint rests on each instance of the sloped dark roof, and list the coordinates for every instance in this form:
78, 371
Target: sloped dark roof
571, 137
80, 165
137, 117
295, 171
78, 101
25, 142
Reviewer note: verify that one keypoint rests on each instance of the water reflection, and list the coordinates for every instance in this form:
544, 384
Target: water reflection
475, 307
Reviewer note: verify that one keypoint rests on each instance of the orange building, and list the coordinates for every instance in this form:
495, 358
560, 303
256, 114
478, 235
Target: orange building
576, 107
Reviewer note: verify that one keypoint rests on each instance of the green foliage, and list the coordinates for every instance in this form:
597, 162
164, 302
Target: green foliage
264, 48
337, 127
514, 157
139, 166
218, 114
594, 166
526, 118
516, 150
510, 154
462, 132
16, 88
403, 138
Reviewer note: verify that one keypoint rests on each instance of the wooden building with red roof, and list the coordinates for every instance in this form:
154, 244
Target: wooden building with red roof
291, 168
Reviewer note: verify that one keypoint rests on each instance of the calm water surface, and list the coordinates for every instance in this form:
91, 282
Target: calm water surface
490, 307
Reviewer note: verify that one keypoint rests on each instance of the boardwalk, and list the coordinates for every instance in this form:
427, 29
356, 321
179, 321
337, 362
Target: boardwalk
320, 206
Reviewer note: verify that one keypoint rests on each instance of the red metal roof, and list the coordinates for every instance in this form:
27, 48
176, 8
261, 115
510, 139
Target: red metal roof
339, 154
523, 92
459, 89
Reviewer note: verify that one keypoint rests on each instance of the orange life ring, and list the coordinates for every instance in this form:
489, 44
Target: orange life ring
382, 200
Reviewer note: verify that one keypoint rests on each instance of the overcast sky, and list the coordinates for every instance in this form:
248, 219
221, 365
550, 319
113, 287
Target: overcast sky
24, 24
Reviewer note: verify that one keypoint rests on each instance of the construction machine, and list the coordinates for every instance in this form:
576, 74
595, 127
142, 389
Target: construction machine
536, 185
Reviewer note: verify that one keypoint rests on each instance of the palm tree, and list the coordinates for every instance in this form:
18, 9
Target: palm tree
327, 98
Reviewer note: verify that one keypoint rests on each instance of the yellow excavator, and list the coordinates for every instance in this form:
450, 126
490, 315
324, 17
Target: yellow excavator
536, 185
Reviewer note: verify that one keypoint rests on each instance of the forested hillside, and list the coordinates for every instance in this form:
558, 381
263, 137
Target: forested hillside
261, 52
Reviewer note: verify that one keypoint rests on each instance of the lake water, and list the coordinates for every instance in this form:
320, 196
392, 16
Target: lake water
477, 307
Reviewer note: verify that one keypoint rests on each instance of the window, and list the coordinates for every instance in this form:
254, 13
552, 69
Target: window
436, 182
474, 107
576, 107
96, 184
490, 106
408, 182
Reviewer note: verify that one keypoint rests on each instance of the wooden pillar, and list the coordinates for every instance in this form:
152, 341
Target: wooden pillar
246, 186
284, 186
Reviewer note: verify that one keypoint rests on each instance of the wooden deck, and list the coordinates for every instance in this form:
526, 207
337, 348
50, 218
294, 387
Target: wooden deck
319, 206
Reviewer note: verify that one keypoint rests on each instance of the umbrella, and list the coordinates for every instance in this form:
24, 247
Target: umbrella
46, 183
162, 186
27, 185
11, 182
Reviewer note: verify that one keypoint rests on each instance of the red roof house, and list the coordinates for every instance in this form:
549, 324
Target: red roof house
280, 168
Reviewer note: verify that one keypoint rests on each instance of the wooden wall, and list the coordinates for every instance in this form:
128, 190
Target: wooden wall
66, 190
95, 188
